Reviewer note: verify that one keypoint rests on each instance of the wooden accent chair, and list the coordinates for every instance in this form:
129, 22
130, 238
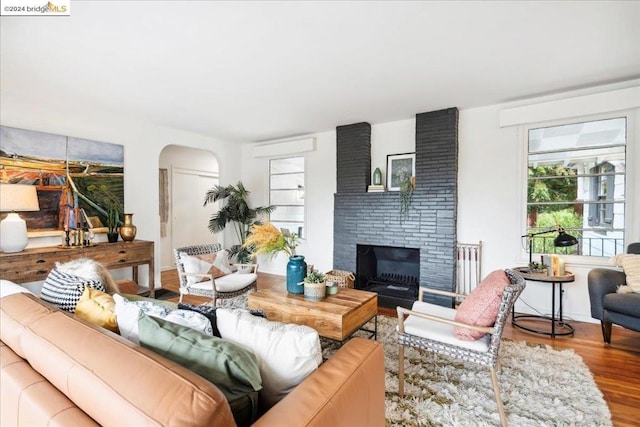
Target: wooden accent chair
431, 327
229, 285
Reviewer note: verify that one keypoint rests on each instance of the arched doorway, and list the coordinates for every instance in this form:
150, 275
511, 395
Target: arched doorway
185, 176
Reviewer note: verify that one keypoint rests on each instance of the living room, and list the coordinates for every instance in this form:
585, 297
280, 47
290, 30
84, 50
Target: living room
256, 77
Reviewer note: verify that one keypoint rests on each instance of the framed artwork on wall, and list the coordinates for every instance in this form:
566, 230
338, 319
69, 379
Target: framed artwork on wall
70, 175
400, 167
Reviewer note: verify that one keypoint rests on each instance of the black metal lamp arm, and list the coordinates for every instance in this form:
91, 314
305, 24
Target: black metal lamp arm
563, 239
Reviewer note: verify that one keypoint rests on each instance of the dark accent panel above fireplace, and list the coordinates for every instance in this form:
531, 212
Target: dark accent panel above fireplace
429, 225
353, 149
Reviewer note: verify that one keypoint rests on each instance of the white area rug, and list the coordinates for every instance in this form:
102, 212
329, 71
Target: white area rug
540, 386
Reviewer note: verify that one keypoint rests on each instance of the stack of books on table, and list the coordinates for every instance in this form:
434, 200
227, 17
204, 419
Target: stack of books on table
376, 188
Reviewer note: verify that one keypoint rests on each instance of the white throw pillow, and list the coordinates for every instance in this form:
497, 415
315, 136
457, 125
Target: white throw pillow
286, 353
7, 288
88, 268
630, 263
190, 319
128, 314
194, 265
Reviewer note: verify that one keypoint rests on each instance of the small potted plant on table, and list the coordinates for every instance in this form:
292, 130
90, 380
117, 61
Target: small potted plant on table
314, 286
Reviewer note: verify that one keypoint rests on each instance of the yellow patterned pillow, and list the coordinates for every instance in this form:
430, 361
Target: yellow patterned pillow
630, 263
98, 308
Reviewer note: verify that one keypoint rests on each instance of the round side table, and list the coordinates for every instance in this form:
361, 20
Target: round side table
556, 323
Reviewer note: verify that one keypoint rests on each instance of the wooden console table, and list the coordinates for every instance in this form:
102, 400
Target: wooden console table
32, 265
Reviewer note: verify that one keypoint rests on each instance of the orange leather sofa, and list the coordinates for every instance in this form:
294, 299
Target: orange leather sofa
60, 371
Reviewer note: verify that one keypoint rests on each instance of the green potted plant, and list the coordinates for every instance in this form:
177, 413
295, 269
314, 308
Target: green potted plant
406, 192
315, 287
235, 211
109, 207
113, 223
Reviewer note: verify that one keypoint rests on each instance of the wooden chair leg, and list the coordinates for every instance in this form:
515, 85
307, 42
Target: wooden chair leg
496, 391
401, 370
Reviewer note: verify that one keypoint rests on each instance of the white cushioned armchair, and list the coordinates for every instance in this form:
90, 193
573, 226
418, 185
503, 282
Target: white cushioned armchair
197, 267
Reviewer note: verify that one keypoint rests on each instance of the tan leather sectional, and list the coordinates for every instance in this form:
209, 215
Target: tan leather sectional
61, 371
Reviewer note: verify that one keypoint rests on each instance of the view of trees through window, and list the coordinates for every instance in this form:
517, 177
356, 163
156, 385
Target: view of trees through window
576, 180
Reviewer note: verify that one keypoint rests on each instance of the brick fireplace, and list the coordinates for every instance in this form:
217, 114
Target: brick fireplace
374, 219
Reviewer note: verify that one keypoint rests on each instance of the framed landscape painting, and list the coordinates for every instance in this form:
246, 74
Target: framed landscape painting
400, 167
69, 173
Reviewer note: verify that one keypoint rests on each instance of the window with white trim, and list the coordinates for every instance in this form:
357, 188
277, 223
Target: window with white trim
286, 193
576, 180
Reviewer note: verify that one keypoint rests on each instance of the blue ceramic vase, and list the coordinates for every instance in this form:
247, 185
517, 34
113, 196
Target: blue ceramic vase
296, 272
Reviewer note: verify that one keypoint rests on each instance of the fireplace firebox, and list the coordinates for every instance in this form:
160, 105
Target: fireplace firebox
392, 272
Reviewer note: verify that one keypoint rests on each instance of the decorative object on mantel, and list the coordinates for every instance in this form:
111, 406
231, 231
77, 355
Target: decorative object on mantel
376, 189
128, 230
400, 167
266, 239
377, 178
236, 211
406, 192
13, 229
315, 287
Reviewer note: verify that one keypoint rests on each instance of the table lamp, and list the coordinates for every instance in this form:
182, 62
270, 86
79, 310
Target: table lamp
562, 239
13, 230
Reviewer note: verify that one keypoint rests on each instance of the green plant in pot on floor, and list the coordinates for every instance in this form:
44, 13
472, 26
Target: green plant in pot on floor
235, 210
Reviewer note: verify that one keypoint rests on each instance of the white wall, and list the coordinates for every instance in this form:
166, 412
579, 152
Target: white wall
143, 142
491, 193
320, 185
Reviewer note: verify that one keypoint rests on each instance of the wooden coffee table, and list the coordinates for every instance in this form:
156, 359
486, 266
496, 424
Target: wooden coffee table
335, 317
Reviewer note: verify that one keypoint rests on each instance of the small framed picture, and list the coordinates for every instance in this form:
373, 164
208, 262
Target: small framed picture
400, 167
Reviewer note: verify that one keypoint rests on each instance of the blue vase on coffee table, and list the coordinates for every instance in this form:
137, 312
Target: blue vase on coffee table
296, 272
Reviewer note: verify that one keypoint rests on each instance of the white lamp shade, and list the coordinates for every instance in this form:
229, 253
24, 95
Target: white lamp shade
13, 229
18, 198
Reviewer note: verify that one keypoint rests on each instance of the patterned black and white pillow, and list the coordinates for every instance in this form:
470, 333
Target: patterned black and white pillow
208, 311
64, 290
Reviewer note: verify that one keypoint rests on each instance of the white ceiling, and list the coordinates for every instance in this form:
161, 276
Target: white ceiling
255, 71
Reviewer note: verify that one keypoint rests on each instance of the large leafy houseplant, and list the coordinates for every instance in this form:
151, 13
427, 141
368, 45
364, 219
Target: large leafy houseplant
235, 211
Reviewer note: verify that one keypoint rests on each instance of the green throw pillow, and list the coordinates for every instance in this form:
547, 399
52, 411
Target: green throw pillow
230, 367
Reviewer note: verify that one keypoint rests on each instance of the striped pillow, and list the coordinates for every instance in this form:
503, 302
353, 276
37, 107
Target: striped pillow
64, 290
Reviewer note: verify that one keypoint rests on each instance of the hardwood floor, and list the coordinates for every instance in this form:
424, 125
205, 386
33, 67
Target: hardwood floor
616, 369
